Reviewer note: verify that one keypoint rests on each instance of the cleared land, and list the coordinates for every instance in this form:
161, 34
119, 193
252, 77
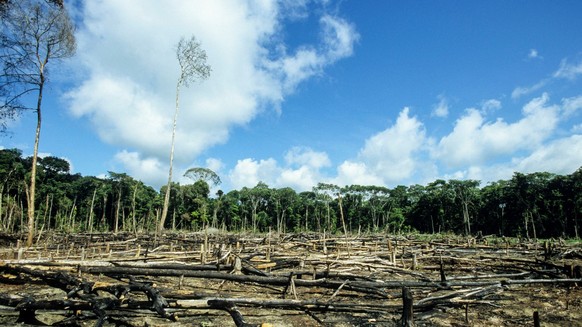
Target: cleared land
288, 280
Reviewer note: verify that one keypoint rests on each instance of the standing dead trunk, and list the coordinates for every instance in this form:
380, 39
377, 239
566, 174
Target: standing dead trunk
533, 226
525, 223
117, 212
32, 188
133, 221
466, 218
90, 227
192, 60
169, 185
342, 215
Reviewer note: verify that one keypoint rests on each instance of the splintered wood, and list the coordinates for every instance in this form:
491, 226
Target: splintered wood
288, 280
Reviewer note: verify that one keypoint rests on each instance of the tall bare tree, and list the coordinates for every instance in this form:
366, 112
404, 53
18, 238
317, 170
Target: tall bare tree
193, 67
34, 32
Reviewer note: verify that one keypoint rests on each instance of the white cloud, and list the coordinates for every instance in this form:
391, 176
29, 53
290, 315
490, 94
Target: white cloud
214, 164
477, 141
128, 82
534, 54
126, 54
568, 71
301, 179
149, 169
442, 108
521, 90
476, 148
562, 156
390, 153
490, 105
565, 71
571, 105
339, 37
301, 171
387, 157
249, 172
304, 156
356, 173
295, 9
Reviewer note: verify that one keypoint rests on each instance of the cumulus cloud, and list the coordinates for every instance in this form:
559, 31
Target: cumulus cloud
249, 172
214, 164
129, 71
148, 168
127, 77
301, 170
561, 156
389, 156
304, 156
475, 140
356, 173
478, 147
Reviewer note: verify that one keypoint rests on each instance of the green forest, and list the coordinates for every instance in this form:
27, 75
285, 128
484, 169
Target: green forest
536, 205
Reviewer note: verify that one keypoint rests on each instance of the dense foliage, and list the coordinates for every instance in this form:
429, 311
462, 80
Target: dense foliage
528, 205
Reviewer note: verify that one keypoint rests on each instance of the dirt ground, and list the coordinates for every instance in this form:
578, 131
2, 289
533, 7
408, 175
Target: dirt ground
453, 281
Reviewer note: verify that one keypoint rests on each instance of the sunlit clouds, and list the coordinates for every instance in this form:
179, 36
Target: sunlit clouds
129, 72
126, 72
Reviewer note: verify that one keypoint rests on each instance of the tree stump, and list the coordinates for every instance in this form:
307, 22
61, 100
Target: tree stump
407, 308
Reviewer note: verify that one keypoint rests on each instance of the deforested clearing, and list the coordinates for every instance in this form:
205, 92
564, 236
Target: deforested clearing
302, 279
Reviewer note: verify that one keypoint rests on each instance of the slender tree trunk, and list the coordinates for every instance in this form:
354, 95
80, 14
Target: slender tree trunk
328, 218
72, 215
576, 225
283, 223
10, 224
1, 196
215, 213
46, 209
133, 221
533, 226
50, 213
306, 218
32, 189
117, 212
104, 210
342, 215
466, 218
255, 205
525, 218
167, 195
318, 220
90, 227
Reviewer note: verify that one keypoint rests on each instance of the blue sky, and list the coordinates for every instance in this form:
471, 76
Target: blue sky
343, 92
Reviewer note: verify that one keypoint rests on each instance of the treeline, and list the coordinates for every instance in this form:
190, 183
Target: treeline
537, 205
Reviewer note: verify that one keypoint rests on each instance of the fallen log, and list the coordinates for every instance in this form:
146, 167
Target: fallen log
311, 305
359, 286
455, 296
543, 281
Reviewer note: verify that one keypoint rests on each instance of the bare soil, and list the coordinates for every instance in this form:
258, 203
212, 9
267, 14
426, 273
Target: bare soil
287, 280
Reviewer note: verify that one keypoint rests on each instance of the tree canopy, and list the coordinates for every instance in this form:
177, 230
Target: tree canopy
535, 205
